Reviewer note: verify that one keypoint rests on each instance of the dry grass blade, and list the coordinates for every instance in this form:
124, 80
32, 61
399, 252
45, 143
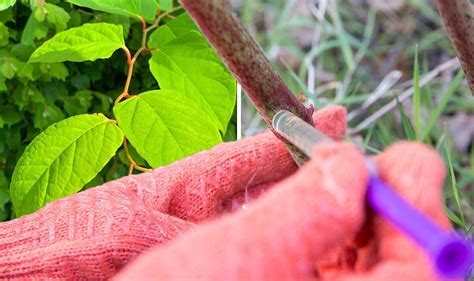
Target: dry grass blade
386, 84
319, 12
450, 64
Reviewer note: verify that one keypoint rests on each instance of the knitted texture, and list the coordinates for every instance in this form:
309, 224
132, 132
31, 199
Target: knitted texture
277, 237
92, 234
311, 226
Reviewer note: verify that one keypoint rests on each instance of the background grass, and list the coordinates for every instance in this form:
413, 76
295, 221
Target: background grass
389, 62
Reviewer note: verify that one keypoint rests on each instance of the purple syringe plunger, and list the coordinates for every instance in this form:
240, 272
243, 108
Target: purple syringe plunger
451, 253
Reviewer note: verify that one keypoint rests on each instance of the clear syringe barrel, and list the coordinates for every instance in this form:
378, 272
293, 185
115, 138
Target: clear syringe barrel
298, 132
450, 253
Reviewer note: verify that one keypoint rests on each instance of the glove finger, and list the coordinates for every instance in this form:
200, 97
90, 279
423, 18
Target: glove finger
206, 180
331, 121
417, 173
276, 237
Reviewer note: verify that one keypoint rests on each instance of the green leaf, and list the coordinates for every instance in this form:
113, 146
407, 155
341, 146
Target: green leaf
453, 217
81, 81
79, 103
4, 200
179, 26
54, 70
186, 63
165, 5
13, 137
56, 16
9, 115
6, 15
3, 179
33, 30
24, 95
88, 42
62, 159
116, 19
39, 12
104, 102
452, 175
231, 133
3, 85
445, 97
164, 126
4, 35
406, 124
22, 52
145, 9
54, 91
46, 115
8, 69
5, 4
98, 180
417, 97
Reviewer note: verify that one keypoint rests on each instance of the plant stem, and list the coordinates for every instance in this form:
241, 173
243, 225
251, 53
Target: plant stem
129, 77
131, 61
458, 19
133, 164
128, 54
143, 22
162, 16
246, 60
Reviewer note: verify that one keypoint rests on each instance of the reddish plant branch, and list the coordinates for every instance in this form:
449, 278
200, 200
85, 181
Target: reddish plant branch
458, 19
247, 62
244, 58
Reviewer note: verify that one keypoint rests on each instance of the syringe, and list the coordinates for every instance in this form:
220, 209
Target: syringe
450, 253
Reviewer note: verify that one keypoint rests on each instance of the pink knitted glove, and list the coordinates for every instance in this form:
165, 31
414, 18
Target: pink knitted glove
93, 234
311, 226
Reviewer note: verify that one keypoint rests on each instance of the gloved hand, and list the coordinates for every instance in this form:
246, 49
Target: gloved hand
312, 225
309, 221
